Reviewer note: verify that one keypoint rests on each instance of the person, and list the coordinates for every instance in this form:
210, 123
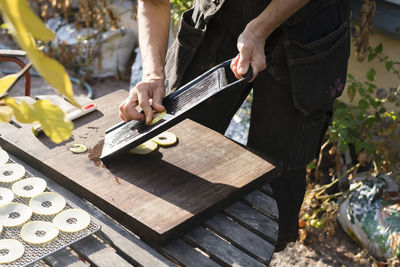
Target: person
298, 50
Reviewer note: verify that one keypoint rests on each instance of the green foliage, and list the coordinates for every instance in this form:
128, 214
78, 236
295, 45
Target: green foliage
368, 124
178, 7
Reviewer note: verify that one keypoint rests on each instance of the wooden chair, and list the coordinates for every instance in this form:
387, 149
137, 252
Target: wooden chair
14, 56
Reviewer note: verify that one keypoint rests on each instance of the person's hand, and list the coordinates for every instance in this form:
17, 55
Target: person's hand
140, 95
251, 52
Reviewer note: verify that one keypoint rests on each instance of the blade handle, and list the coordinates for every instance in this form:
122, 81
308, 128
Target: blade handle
249, 74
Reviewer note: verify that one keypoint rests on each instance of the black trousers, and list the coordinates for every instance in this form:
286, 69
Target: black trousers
286, 125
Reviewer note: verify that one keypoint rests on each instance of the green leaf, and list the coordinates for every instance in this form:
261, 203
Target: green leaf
351, 92
343, 147
375, 103
361, 91
378, 49
371, 56
363, 104
311, 165
370, 120
371, 87
343, 134
4, 26
370, 149
358, 147
389, 65
371, 74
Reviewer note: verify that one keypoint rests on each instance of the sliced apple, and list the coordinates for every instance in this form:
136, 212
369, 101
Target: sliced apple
145, 148
11, 172
157, 116
78, 148
6, 196
14, 250
39, 232
14, 214
165, 139
3, 157
72, 220
29, 187
47, 203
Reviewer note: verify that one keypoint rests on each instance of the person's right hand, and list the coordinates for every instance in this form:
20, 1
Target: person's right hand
140, 95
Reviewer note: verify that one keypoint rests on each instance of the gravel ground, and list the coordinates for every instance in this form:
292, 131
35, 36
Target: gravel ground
319, 250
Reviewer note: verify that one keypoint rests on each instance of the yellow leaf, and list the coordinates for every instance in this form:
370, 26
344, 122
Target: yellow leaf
53, 121
54, 73
22, 112
23, 31
5, 113
22, 14
6, 82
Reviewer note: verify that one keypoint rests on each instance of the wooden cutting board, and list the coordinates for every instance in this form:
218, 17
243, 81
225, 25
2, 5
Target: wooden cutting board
158, 196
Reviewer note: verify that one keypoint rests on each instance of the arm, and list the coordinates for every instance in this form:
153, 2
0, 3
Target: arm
251, 42
153, 27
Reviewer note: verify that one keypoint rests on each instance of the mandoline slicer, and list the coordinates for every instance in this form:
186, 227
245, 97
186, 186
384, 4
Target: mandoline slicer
179, 105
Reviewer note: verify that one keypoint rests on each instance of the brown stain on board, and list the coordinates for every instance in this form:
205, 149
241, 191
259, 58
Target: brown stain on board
94, 155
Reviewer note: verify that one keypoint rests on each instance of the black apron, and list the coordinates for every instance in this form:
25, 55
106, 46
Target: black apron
292, 99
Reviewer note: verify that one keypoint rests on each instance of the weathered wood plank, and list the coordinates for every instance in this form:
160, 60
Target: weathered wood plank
219, 248
186, 255
191, 180
97, 253
253, 220
244, 239
267, 190
64, 258
38, 264
262, 203
117, 236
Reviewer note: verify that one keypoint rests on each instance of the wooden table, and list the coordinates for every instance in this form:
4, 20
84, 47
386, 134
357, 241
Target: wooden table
243, 234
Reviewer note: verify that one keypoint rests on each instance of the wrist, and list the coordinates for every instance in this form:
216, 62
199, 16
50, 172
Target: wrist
153, 77
261, 28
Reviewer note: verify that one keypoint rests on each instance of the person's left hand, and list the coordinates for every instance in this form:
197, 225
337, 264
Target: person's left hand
251, 52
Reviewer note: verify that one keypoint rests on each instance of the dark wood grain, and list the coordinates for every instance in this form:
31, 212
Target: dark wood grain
267, 190
263, 203
98, 254
158, 196
64, 258
244, 239
220, 249
254, 221
186, 255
